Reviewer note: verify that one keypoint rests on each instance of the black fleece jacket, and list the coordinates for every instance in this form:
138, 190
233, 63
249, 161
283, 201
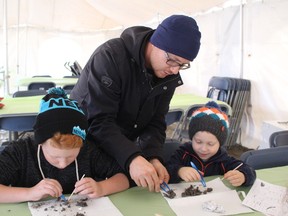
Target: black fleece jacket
124, 102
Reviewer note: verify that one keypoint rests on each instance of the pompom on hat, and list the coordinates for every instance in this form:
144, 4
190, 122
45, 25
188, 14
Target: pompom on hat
59, 114
210, 118
179, 35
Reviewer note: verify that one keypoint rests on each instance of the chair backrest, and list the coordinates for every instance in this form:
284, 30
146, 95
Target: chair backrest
68, 87
174, 116
41, 85
28, 93
217, 94
183, 132
279, 138
2, 148
74, 67
18, 123
21, 124
219, 88
169, 147
189, 113
224, 108
266, 158
41, 76
72, 76
235, 92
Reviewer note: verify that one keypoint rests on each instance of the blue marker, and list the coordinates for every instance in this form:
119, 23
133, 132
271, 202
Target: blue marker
164, 186
62, 197
202, 178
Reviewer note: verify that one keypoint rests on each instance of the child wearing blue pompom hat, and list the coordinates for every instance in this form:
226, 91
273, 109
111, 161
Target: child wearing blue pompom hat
208, 131
53, 161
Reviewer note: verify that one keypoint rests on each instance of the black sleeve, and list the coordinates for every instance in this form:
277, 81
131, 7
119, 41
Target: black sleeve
14, 160
102, 165
175, 163
100, 96
248, 171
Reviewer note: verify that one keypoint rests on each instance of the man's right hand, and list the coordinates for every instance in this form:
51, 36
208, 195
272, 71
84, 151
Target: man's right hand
144, 174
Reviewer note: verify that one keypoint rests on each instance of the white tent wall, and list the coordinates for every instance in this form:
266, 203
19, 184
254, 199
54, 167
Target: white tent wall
264, 61
44, 34
43, 52
49, 34
46, 52
219, 53
44, 48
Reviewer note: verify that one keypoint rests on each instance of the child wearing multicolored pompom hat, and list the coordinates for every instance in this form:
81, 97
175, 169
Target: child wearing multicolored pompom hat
208, 131
210, 118
52, 162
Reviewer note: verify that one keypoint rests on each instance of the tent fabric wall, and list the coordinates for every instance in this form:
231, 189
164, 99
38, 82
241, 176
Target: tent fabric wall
76, 25
264, 64
46, 43
266, 49
51, 33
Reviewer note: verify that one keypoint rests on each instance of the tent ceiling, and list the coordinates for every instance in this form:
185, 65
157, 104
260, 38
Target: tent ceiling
91, 15
128, 12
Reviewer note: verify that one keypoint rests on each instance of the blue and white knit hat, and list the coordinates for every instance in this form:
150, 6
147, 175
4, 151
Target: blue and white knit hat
59, 114
210, 118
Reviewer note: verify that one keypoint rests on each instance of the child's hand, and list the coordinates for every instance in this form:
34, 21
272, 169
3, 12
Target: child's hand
88, 186
235, 177
46, 187
189, 174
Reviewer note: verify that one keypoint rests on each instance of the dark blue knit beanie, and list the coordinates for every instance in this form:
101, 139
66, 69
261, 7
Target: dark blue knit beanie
179, 35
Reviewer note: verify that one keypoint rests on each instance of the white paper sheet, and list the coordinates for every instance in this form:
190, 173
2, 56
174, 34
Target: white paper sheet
221, 195
101, 206
268, 198
217, 185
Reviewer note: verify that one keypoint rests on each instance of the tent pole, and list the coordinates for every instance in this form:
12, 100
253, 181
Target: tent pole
18, 37
5, 37
241, 39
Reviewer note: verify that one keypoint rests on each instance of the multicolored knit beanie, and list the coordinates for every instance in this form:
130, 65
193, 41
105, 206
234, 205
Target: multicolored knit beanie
59, 114
210, 118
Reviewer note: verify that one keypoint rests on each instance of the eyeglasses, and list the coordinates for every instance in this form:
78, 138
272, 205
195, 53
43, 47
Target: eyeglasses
174, 63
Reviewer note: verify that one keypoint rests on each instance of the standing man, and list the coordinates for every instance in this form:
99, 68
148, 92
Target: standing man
126, 87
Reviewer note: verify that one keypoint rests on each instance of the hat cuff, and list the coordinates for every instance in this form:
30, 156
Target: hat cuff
58, 120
